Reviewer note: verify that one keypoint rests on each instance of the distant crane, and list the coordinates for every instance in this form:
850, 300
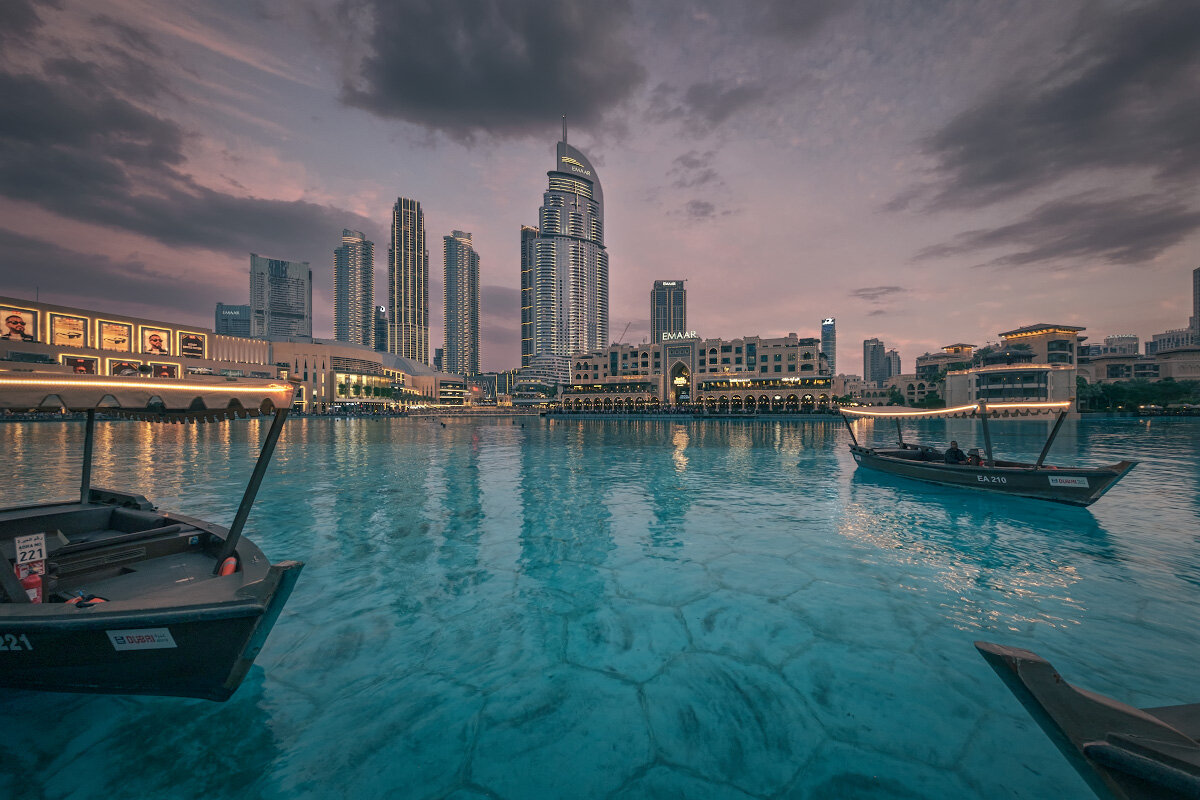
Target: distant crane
622, 339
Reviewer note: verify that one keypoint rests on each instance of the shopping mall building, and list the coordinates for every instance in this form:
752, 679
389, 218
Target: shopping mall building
331, 374
749, 374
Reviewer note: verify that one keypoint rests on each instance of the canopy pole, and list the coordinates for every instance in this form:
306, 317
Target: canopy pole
89, 438
850, 428
260, 471
987, 436
899, 433
1050, 440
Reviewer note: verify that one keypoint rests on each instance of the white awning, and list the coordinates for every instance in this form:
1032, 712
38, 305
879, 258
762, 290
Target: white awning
993, 410
193, 399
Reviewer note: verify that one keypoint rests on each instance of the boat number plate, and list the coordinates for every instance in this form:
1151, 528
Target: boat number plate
14, 643
1069, 480
991, 479
141, 639
31, 548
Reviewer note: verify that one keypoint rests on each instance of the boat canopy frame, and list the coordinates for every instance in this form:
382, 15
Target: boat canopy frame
981, 409
194, 400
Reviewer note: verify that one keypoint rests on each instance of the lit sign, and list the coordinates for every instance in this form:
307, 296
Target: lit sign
192, 344
576, 166
71, 331
828, 321
668, 336
19, 324
666, 283
115, 336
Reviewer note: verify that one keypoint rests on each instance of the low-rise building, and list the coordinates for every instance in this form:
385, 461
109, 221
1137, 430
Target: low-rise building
330, 374
749, 373
1011, 383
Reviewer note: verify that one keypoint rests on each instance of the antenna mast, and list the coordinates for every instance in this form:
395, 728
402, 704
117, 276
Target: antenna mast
564, 128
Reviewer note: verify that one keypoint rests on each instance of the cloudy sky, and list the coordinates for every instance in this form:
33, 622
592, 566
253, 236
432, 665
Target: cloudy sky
926, 172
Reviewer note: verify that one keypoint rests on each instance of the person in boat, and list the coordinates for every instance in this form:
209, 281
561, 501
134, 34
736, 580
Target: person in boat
954, 455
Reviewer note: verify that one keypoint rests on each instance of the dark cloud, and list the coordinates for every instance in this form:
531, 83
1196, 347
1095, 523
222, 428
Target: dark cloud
693, 169
72, 142
703, 106
1124, 94
1125, 231
81, 279
876, 294
495, 68
19, 19
794, 20
699, 209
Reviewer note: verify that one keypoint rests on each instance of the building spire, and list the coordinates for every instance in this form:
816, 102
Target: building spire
564, 128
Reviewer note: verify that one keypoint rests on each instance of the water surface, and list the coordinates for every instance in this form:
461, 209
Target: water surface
536, 609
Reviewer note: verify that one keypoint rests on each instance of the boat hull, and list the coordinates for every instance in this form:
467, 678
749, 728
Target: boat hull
199, 650
1075, 486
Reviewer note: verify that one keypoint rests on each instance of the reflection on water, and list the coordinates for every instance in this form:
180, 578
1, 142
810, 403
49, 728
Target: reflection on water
634, 609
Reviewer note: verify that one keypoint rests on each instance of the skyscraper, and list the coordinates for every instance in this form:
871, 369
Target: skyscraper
1194, 322
381, 328
408, 283
568, 265
892, 361
529, 237
232, 320
354, 289
668, 309
829, 343
460, 354
280, 297
874, 368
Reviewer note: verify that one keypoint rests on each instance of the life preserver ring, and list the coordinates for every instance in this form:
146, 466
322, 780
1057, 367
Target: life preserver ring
228, 566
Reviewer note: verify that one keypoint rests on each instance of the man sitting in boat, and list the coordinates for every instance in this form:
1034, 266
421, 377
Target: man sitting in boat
954, 455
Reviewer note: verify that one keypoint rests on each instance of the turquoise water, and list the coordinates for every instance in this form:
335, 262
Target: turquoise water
633, 610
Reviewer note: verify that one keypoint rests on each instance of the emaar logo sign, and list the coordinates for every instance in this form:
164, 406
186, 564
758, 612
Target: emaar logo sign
576, 166
668, 336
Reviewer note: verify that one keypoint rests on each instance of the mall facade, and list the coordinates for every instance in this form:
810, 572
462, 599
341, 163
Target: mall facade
331, 375
747, 375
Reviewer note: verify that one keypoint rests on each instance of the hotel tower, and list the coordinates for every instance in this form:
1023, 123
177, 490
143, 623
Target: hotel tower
408, 283
564, 266
354, 289
461, 345
668, 309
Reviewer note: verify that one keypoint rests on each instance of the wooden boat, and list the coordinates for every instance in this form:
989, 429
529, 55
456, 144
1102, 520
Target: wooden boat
1077, 486
105, 593
1122, 752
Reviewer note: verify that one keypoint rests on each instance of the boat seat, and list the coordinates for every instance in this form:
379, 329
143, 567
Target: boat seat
128, 520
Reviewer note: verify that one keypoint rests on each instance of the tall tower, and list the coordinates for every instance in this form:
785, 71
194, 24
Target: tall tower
668, 309
461, 345
280, 297
569, 263
829, 343
891, 359
529, 238
1195, 320
354, 289
408, 283
873, 361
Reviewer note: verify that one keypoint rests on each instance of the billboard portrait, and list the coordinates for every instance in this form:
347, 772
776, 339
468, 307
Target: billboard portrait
193, 345
19, 324
115, 336
164, 370
122, 366
156, 341
68, 331
80, 365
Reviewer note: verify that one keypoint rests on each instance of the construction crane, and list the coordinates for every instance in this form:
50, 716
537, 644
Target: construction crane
622, 339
